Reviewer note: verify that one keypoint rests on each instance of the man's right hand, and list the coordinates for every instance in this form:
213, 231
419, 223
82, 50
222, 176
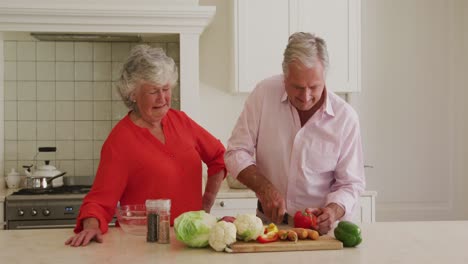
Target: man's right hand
91, 231
271, 199
273, 204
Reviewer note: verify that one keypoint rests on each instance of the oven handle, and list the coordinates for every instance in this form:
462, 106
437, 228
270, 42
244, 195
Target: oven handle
51, 226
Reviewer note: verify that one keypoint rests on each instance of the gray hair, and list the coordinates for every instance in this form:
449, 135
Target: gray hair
145, 64
306, 48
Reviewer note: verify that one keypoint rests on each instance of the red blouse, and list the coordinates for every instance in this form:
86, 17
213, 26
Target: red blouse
136, 166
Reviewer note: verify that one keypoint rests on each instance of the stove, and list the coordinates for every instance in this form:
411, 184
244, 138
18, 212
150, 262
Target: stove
57, 207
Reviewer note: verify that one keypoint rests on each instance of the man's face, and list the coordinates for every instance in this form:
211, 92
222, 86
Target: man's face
304, 86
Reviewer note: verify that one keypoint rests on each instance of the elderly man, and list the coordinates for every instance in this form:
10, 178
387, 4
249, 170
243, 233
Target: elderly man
296, 143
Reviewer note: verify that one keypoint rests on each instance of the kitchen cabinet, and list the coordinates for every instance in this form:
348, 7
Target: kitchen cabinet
261, 30
338, 22
366, 208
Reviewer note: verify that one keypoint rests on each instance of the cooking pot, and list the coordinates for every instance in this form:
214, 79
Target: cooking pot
41, 183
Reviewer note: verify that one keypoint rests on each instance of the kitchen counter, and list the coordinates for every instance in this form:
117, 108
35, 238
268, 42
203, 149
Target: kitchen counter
383, 242
5, 192
226, 192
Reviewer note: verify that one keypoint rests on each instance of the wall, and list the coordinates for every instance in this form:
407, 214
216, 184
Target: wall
62, 94
461, 109
219, 106
412, 109
410, 106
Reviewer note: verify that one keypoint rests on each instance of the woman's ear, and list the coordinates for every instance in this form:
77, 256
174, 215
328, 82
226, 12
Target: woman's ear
132, 97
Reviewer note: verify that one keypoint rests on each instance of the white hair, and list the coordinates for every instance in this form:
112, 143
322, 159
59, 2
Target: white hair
145, 64
306, 48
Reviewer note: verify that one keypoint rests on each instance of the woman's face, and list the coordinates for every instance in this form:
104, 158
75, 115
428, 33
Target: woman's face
152, 101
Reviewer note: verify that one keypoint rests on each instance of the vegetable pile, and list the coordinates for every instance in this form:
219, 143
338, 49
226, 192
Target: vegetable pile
200, 229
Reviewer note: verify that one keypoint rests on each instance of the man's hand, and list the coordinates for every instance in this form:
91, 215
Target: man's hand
272, 203
327, 216
90, 232
271, 199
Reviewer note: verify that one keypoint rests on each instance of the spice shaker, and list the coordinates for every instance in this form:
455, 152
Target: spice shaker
164, 223
152, 220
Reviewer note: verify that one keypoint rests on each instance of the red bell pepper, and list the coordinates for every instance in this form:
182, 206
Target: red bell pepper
305, 219
268, 237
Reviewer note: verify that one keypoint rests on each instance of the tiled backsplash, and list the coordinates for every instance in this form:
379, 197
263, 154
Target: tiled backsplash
62, 94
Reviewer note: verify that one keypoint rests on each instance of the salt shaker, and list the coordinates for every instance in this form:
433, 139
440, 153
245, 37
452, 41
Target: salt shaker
164, 212
152, 220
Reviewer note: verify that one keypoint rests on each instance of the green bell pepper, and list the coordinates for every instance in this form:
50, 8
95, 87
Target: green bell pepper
348, 233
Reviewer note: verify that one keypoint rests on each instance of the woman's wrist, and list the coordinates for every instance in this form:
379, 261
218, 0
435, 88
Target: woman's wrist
90, 223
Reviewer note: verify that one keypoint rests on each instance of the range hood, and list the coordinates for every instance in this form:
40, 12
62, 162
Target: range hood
106, 19
48, 36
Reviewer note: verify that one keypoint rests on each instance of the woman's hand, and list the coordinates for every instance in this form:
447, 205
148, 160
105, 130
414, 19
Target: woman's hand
211, 190
208, 201
91, 231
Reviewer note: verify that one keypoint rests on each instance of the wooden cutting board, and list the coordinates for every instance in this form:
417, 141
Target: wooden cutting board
323, 243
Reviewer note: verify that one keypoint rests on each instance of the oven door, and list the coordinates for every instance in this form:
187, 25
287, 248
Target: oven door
41, 224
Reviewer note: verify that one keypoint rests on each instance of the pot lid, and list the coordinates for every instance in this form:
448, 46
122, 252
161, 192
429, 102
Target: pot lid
47, 167
46, 170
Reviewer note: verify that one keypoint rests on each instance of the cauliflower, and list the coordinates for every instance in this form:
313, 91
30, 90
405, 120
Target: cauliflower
249, 227
222, 235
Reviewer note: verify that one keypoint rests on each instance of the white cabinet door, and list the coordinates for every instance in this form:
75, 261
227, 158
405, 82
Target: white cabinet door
365, 212
261, 30
234, 206
338, 23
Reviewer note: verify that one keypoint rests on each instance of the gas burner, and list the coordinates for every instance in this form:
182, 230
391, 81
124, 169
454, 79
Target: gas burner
74, 189
32, 191
82, 189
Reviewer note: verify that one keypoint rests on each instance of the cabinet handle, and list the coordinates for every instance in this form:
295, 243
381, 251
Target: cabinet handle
221, 203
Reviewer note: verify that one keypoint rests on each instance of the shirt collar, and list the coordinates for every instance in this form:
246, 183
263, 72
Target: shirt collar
326, 108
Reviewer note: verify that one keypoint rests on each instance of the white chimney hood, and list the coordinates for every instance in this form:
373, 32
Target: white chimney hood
183, 17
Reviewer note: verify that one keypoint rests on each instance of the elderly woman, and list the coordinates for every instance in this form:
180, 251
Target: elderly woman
153, 152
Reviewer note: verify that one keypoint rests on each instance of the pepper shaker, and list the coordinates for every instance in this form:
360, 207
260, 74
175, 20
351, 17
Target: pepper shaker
152, 220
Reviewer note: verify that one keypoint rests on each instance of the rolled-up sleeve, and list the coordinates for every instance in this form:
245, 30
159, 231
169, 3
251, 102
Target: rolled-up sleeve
211, 149
242, 143
101, 201
349, 174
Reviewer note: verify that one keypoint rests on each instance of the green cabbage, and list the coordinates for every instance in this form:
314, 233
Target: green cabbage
193, 228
